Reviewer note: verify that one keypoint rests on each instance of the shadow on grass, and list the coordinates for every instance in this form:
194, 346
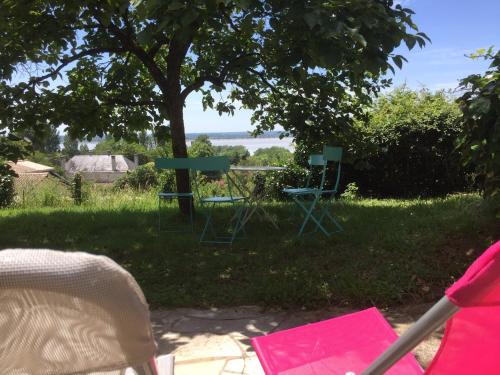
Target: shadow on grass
390, 252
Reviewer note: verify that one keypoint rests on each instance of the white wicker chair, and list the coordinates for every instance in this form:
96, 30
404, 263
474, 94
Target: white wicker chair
73, 313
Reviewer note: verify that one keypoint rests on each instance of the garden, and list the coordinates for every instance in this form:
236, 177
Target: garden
412, 214
375, 185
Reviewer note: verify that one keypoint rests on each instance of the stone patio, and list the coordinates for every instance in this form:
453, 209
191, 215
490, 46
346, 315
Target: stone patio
217, 341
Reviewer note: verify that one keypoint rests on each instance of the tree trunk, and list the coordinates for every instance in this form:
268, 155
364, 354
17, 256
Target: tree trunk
179, 149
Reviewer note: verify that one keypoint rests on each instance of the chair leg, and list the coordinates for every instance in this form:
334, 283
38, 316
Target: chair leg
207, 224
309, 215
240, 221
326, 212
159, 214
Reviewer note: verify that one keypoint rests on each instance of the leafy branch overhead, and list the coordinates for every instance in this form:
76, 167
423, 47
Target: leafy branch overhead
119, 67
480, 104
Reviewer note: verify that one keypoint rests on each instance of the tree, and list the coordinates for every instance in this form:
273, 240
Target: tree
121, 66
274, 155
70, 146
201, 147
12, 148
480, 105
44, 139
235, 154
84, 149
126, 148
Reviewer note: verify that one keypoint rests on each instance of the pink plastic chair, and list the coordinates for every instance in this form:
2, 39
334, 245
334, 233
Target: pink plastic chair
364, 343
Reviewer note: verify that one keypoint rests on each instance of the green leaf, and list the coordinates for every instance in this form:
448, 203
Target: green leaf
311, 19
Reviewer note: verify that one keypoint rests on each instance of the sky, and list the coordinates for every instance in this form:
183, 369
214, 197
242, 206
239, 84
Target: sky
456, 28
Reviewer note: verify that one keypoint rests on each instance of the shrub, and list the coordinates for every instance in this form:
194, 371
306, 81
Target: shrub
235, 154
274, 182
7, 191
274, 155
409, 146
351, 191
142, 178
480, 140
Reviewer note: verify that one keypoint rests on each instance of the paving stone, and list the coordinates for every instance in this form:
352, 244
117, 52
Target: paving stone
217, 341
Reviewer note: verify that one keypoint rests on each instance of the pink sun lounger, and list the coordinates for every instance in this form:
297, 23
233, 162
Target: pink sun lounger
364, 343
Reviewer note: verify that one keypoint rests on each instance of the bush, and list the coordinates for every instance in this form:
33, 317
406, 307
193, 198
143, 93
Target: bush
7, 191
409, 147
351, 191
142, 178
274, 182
274, 155
480, 140
235, 154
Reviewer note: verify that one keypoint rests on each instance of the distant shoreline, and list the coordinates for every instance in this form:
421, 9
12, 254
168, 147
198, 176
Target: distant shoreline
265, 140
234, 135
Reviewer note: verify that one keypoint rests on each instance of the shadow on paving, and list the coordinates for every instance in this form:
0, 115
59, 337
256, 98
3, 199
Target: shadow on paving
218, 340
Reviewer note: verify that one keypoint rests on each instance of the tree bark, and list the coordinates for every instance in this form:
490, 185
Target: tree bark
176, 115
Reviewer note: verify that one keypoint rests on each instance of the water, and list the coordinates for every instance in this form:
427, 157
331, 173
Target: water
252, 144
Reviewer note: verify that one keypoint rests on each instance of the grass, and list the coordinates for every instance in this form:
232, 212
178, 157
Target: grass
391, 252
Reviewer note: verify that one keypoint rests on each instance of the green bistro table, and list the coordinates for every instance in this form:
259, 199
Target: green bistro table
254, 203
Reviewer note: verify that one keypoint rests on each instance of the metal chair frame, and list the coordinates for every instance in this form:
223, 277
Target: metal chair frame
218, 164
176, 164
308, 198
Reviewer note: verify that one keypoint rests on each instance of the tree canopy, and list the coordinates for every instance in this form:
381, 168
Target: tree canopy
480, 104
120, 67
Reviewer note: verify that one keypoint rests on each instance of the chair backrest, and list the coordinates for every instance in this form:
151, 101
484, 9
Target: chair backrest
471, 341
215, 164
316, 161
173, 163
210, 164
63, 313
334, 154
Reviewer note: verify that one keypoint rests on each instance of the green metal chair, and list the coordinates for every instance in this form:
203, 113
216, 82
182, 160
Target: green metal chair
168, 196
308, 198
218, 164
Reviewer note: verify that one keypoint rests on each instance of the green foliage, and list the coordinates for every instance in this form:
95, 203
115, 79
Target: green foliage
351, 191
274, 155
143, 177
408, 146
480, 104
12, 148
201, 147
70, 146
235, 154
43, 138
120, 68
84, 149
7, 191
274, 182
145, 150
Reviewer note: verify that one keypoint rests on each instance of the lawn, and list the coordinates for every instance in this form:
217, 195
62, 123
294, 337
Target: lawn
391, 252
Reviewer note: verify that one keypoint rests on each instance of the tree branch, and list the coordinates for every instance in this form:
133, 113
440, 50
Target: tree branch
264, 80
128, 43
215, 80
66, 61
132, 103
163, 40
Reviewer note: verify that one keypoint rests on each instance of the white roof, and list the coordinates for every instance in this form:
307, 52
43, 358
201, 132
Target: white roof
29, 167
98, 163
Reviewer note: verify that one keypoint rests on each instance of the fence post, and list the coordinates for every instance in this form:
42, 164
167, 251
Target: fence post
77, 188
